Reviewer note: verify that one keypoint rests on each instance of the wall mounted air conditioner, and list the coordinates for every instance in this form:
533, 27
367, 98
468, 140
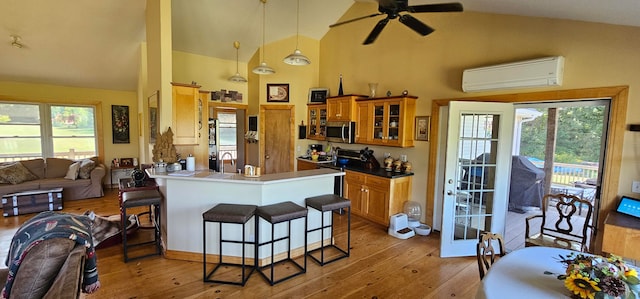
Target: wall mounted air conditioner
545, 71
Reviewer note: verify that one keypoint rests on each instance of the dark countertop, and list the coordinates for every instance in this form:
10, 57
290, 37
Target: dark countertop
381, 172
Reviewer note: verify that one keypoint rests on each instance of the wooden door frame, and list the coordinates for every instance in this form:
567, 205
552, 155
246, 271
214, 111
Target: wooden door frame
292, 111
615, 138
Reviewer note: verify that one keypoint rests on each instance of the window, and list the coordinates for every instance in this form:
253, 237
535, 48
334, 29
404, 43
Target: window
227, 131
70, 133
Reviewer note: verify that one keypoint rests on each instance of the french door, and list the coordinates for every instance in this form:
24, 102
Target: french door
477, 173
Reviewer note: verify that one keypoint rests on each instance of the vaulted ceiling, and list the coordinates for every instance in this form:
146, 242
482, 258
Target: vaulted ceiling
95, 44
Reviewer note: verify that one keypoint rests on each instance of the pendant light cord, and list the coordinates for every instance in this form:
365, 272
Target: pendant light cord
297, 24
264, 14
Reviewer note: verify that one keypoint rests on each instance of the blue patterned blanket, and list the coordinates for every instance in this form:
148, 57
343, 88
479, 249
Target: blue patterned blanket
48, 225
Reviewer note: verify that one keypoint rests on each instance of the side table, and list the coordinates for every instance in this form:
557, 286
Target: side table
119, 172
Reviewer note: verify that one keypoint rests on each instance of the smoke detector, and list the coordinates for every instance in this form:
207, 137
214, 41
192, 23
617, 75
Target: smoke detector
16, 41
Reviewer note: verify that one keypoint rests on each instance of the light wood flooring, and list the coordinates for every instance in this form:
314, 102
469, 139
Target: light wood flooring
380, 266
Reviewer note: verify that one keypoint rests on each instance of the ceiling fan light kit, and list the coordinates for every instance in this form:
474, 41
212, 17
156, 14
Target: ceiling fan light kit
393, 8
237, 77
263, 68
296, 58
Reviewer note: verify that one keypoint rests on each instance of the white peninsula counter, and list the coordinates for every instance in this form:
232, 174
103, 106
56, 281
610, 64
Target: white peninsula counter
189, 194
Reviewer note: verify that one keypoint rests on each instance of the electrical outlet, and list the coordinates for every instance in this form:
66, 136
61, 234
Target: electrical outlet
635, 187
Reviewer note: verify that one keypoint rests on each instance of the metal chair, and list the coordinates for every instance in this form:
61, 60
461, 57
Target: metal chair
486, 253
565, 231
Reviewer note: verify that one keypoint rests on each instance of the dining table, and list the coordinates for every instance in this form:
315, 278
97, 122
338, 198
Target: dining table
524, 273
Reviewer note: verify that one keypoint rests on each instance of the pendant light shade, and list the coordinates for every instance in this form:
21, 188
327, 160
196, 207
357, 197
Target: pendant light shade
237, 77
263, 68
296, 58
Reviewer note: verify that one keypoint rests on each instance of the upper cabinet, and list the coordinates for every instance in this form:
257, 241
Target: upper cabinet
386, 121
342, 108
317, 121
186, 120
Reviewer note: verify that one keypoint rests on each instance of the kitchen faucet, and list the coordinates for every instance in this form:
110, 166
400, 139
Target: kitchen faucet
222, 161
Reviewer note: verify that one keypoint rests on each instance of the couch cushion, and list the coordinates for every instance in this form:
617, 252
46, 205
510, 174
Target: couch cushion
26, 186
86, 166
64, 183
16, 173
72, 172
36, 166
57, 168
40, 267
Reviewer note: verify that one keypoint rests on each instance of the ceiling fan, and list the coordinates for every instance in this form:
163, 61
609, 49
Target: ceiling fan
393, 8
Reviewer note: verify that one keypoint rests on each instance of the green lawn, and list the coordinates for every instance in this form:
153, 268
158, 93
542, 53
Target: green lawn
11, 145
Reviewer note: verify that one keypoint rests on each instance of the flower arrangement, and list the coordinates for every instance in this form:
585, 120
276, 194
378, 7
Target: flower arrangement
597, 277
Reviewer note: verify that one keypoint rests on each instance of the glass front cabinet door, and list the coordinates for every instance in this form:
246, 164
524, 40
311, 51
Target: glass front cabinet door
317, 121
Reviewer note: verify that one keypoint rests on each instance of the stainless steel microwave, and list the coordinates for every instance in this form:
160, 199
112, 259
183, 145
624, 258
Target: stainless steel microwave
341, 131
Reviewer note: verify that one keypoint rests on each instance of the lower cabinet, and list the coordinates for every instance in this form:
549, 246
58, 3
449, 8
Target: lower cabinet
304, 165
376, 198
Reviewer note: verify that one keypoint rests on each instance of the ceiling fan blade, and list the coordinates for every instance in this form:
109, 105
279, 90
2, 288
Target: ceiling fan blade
441, 7
376, 31
415, 24
353, 20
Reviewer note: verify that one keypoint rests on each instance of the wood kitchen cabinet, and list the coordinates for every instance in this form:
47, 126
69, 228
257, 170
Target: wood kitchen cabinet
386, 121
306, 165
342, 108
186, 118
317, 121
376, 198
621, 236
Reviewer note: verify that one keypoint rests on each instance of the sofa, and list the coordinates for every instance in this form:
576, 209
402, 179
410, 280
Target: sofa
79, 179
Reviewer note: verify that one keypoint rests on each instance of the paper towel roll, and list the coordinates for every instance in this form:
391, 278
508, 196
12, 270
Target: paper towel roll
191, 163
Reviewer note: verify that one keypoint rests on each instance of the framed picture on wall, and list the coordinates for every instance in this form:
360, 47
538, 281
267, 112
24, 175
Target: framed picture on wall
120, 123
318, 95
277, 92
154, 116
423, 124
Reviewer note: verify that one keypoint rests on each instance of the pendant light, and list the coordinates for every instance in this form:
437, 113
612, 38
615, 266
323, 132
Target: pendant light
263, 68
237, 77
296, 58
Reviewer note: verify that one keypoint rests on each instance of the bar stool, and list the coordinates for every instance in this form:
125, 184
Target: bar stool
329, 203
142, 198
229, 214
274, 214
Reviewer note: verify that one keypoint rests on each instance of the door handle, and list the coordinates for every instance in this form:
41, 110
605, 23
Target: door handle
449, 192
267, 157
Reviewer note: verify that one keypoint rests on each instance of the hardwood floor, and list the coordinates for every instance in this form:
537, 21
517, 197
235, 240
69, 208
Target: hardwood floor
380, 266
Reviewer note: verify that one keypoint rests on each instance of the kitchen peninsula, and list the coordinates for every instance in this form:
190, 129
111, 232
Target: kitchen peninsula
188, 195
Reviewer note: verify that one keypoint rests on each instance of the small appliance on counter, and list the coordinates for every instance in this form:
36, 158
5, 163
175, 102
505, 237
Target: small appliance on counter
399, 226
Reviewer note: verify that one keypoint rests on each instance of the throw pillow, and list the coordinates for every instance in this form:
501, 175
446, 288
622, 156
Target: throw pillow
16, 173
72, 173
86, 166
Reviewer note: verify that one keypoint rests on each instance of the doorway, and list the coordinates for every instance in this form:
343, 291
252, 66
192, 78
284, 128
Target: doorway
277, 138
557, 148
618, 96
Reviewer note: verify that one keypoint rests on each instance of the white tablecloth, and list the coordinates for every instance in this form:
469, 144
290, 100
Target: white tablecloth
520, 274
